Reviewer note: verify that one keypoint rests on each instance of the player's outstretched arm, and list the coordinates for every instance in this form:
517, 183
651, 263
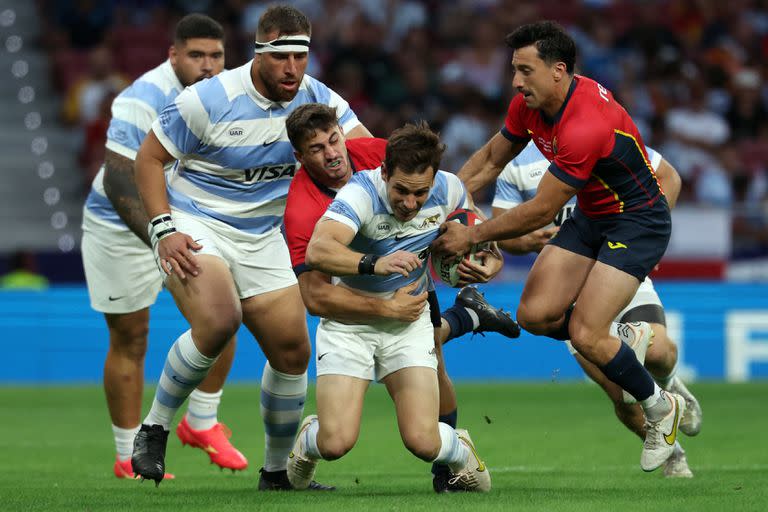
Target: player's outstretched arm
457, 240
532, 242
670, 181
342, 304
486, 164
120, 187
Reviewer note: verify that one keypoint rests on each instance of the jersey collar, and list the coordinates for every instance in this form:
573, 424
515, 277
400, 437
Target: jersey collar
553, 120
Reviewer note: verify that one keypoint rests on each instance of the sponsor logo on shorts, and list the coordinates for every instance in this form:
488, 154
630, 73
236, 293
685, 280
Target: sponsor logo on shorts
322, 355
111, 298
616, 245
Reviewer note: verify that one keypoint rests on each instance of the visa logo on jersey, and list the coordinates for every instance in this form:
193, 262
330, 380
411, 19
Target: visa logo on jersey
269, 173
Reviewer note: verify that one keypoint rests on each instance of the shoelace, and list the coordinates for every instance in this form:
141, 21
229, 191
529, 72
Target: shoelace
465, 478
652, 435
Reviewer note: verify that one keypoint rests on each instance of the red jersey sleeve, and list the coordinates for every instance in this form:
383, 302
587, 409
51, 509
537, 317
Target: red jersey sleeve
578, 149
301, 214
515, 128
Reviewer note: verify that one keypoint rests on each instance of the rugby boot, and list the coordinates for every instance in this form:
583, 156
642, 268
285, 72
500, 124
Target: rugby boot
122, 469
676, 466
148, 460
214, 442
690, 425
491, 319
278, 481
474, 475
660, 436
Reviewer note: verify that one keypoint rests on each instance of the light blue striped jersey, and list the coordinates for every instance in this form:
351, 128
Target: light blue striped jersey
133, 112
520, 178
235, 159
362, 205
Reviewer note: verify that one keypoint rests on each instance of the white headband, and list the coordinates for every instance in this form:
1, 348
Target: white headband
284, 44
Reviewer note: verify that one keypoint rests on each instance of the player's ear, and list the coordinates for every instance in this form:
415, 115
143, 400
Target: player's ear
298, 156
172, 53
384, 173
559, 71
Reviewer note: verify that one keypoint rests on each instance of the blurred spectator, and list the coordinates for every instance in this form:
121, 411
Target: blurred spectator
82, 102
84, 22
747, 111
23, 274
94, 143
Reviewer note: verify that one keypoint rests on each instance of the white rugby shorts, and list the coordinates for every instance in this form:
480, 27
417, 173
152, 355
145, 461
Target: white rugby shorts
120, 270
374, 351
259, 264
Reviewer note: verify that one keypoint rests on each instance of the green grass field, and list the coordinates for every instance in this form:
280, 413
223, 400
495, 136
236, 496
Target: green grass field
551, 447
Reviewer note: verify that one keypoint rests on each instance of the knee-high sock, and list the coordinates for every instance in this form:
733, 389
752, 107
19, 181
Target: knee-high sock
282, 404
203, 409
452, 452
185, 368
449, 419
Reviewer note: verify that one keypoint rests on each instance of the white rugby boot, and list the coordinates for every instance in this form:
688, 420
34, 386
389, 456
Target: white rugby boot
474, 476
660, 436
301, 469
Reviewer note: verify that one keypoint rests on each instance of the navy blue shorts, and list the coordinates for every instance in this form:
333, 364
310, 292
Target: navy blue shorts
632, 242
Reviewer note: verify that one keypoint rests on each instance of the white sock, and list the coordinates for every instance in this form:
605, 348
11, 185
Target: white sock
310, 441
282, 405
657, 405
474, 317
452, 452
185, 368
124, 441
202, 412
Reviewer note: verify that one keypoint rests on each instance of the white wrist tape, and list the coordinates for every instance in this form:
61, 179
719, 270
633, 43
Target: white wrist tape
161, 227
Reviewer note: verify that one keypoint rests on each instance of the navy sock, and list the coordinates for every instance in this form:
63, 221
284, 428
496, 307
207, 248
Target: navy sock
562, 332
459, 321
449, 419
626, 371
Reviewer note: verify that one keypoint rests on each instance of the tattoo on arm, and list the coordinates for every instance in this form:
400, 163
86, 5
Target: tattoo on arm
120, 187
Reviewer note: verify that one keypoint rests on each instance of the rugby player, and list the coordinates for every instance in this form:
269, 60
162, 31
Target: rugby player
119, 266
617, 232
375, 236
518, 182
215, 229
328, 161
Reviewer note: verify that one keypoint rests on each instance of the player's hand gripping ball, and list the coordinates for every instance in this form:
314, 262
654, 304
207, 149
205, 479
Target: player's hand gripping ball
446, 267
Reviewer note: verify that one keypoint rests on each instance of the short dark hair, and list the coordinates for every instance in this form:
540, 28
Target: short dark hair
413, 149
197, 26
285, 19
550, 39
304, 122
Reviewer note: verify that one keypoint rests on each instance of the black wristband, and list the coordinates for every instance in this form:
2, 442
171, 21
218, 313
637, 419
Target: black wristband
367, 264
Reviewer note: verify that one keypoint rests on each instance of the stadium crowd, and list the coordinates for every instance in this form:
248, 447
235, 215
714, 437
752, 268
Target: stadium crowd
692, 73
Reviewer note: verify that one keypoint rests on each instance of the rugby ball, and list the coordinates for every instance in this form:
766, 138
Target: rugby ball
446, 267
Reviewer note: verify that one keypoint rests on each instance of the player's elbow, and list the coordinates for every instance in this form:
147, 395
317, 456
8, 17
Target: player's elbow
313, 256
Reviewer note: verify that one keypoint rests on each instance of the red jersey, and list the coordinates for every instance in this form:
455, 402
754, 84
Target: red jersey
593, 145
308, 199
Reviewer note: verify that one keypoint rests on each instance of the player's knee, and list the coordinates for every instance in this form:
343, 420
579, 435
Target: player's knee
336, 445
221, 323
581, 336
291, 357
536, 320
424, 444
130, 340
